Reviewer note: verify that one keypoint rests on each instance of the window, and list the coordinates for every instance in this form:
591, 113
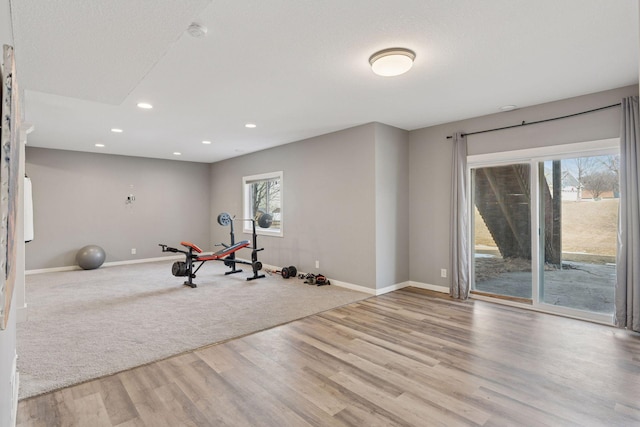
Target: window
263, 196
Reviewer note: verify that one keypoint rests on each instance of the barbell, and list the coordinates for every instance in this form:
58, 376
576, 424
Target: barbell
264, 219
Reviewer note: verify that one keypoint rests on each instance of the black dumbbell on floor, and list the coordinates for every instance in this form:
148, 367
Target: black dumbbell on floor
290, 271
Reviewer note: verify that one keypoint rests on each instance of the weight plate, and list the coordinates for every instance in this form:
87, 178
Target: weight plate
179, 268
293, 271
285, 272
265, 220
224, 219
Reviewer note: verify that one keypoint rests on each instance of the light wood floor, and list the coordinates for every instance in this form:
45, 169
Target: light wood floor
410, 357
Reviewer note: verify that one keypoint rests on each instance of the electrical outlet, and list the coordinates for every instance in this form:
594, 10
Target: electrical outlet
317, 264
443, 272
133, 251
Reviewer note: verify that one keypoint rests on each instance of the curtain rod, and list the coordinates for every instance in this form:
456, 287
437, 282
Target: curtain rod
539, 121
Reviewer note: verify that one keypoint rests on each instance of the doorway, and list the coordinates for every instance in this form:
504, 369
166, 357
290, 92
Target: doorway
544, 230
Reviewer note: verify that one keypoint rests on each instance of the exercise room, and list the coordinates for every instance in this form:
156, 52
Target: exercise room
285, 213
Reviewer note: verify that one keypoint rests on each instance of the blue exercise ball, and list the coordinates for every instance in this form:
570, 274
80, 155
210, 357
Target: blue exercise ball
90, 257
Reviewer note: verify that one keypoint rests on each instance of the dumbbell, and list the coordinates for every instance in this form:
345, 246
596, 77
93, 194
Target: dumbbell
287, 272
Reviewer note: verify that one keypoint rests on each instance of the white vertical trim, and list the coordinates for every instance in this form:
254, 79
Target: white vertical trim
471, 210
15, 381
535, 213
22, 314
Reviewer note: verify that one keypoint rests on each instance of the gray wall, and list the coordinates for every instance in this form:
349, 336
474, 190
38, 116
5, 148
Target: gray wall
79, 199
392, 206
329, 203
431, 157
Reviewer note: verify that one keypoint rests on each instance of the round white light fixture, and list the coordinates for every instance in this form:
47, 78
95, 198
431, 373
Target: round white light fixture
145, 105
392, 62
177, 153
206, 142
116, 130
99, 145
250, 125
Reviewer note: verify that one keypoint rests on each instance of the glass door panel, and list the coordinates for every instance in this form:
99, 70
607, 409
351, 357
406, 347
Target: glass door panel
502, 230
579, 200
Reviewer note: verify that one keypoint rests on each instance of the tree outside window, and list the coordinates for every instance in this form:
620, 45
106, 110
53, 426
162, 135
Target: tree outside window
263, 195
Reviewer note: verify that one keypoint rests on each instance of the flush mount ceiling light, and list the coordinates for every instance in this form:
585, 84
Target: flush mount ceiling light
145, 105
250, 125
206, 142
99, 145
392, 62
177, 153
116, 130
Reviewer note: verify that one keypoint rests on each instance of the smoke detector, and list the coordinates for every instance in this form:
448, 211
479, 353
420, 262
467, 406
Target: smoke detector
197, 30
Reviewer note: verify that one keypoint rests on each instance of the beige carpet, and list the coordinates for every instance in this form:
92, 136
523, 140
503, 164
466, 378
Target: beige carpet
87, 324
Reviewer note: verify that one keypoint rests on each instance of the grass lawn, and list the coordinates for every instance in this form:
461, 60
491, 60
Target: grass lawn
587, 226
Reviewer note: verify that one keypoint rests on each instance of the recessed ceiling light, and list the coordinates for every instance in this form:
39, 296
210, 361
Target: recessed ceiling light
177, 153
100, 145
508, 107
116, 130
145, 105
250, 125
392, 62
206, 142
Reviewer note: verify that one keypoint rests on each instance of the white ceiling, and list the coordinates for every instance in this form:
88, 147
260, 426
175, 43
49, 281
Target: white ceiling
299, 68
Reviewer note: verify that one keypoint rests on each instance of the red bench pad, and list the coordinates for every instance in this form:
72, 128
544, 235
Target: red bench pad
223, 252
192, 246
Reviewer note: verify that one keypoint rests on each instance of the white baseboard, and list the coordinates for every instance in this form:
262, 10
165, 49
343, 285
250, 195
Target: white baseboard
353, 287
140, 261
106, 264
371, 291
382, 291
391, 288
265, 267
51, 270
436, 288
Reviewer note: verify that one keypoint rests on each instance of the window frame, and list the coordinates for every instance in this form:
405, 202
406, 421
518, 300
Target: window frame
247, 181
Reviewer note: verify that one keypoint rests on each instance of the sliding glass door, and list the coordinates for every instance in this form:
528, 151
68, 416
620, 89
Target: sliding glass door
579, 212
544, 231
502, 230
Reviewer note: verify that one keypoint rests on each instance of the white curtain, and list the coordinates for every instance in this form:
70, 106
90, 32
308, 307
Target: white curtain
627, 299
459, 220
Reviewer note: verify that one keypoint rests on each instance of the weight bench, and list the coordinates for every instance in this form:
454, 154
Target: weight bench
220, 254
185, 268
